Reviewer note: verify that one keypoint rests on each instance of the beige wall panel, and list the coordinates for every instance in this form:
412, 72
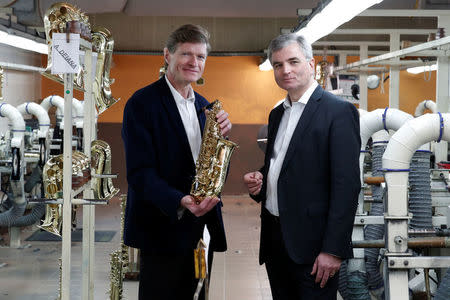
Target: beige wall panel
227, 34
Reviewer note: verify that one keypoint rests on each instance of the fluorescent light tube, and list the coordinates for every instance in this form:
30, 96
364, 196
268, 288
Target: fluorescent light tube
22, 43
336, 13
417, 70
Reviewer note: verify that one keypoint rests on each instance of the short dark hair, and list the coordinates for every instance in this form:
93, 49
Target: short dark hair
284, 40
188, 33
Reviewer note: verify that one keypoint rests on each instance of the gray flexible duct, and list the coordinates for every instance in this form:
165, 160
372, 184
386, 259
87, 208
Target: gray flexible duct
35, 215
375, 231
420, 191
8, 217
38, 210
14, 216
357, 286
343, 280
443, 291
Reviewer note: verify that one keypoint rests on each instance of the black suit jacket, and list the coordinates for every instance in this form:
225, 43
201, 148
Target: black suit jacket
319, 181
160, 170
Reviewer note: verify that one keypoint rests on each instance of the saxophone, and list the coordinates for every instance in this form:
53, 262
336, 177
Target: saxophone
56, 19
103, 44
214, 158
322, 73
119, 260
53, 186
101, 163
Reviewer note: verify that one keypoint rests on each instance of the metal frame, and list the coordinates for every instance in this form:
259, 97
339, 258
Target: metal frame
89, 134
399, 53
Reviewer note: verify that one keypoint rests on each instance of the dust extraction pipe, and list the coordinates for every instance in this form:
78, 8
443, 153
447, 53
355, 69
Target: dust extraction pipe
40, 113
425, 104
18, 129
376, 120
57, 101
78, 108
44, 124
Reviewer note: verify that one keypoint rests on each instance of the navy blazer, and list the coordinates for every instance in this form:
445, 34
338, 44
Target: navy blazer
319, 183
160, 170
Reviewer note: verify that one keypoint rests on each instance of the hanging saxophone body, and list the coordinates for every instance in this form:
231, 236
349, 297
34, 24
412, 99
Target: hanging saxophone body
322, 73
53, 186
101, 163
103, 43
56, 19
213, 160
119, 260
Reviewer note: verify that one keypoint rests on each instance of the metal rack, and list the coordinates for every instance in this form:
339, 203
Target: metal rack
89, 135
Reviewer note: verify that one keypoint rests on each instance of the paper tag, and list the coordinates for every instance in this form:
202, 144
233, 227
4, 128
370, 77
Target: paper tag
65, 55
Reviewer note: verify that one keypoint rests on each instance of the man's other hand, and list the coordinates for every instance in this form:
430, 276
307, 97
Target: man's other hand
325, 266
253, 180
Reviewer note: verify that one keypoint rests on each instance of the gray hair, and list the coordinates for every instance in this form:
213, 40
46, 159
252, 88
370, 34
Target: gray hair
284, 40
188, 33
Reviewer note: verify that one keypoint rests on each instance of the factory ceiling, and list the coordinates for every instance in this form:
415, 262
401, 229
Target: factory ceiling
239, 26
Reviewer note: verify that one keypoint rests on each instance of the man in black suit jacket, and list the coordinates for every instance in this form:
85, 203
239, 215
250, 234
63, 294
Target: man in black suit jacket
162, 128
309, 183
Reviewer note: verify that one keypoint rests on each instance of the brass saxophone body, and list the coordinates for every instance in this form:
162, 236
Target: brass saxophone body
103, 44
53, 186
56, 19
119, 260
322, 73
101, 163
213, 160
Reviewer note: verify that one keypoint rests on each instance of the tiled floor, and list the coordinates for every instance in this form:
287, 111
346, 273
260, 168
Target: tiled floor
32, 273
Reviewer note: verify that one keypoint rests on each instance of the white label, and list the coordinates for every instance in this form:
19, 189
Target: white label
65, 55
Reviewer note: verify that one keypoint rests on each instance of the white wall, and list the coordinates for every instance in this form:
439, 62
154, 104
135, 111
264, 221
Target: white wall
19, 86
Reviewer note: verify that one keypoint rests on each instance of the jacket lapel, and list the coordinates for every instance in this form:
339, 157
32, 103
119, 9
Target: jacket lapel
305, 119
272, 133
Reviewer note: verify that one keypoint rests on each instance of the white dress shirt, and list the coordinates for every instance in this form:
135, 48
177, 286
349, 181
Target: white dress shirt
292, 112
188, 113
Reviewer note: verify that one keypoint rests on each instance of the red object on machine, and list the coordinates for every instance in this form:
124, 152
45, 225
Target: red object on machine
444, 164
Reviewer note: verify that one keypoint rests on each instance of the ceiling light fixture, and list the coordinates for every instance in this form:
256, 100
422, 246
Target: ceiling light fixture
417, 70
22, 43
328, 16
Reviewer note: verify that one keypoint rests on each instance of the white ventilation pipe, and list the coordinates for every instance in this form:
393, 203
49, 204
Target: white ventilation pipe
381, 136
411, 136
77, 112
17, 123
41, 114
57, 101
376, 120
396, 162
362, 112
425, 104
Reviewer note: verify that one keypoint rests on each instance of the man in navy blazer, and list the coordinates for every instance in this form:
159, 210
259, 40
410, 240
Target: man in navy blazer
309, 184
162, 128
